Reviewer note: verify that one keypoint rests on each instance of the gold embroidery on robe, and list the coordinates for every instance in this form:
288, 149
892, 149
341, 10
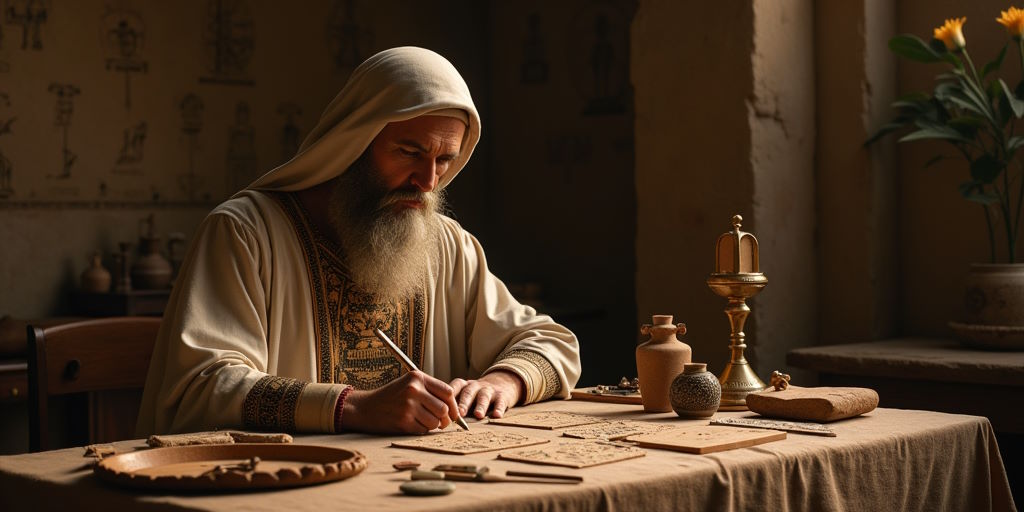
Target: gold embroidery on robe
347, 350
271, 403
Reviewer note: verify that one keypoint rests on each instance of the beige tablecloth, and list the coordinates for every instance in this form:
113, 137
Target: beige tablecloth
890, 459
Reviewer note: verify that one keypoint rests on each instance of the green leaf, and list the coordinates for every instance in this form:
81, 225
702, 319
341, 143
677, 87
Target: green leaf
934, 160
995, 64
1015, 143
886, 129
935, 132
986, 168
966, 125
1015, 104
912, 47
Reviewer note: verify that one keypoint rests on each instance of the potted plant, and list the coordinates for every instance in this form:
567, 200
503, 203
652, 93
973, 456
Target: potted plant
976, 112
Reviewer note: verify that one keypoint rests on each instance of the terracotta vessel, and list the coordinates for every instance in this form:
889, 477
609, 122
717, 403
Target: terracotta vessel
695, 393
151, 271
995, 294
659, 360
96, 278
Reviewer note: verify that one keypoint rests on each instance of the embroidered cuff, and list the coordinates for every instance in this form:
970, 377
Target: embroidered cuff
290, 405
539, 376
340, 408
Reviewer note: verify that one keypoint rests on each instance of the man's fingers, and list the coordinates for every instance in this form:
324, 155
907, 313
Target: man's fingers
457, 385
499, 406
443, 392
483, 401
467, 396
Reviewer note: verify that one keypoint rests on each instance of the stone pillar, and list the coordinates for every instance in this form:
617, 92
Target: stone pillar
857, 217
725, 124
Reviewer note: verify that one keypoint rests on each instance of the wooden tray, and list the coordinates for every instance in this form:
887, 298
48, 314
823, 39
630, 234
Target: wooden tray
195, 468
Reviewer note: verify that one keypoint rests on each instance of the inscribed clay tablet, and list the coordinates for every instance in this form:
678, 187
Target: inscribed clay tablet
463, 443
813, 404
801, 427
548, 420
706, 438
427, 487
575, 454
613, 430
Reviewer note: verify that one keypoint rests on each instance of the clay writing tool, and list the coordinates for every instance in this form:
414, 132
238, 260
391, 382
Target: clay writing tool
410, 366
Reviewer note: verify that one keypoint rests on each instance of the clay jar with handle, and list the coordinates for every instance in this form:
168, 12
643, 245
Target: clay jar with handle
659, 360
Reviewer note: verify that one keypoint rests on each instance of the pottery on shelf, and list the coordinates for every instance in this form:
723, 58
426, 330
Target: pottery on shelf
659, 360
151, 271
994, 307
96, 278
695, 393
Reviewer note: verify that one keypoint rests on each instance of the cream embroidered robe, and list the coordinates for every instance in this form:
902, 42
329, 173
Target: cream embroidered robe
264, 329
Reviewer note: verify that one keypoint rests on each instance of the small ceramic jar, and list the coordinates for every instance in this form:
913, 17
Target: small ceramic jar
695, 393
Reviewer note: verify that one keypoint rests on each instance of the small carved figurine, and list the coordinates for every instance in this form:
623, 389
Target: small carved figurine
779, 380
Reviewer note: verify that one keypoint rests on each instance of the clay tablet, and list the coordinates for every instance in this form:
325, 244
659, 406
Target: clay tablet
614, 430
813, 404
575, 454
548, 420
707, 438
462, 443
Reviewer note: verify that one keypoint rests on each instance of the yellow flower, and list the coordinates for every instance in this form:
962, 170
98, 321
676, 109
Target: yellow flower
952, 34
1013, 20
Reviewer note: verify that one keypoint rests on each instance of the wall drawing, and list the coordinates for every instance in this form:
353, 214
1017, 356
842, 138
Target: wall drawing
348, 40
63, 109
228, 42
129, 157
191, 107
601, 35
6, 168
290, 134
123, 35
29, 15
242, 165
534, 69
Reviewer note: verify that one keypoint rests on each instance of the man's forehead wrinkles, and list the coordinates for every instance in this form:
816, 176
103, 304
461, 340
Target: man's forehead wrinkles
442, 144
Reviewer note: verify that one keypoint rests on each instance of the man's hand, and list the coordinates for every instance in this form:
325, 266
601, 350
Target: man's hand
497, 391
411, 404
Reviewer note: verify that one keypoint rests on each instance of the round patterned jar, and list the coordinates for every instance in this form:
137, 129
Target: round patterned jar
695, 393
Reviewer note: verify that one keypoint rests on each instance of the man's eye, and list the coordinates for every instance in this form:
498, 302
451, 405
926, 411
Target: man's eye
408, 152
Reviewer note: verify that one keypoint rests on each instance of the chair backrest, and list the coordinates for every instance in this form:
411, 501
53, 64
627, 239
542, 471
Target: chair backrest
94, 357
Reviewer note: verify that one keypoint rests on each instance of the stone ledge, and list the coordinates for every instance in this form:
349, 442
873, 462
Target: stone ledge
914, 359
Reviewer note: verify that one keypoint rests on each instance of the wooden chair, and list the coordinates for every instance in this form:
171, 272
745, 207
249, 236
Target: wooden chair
105, 360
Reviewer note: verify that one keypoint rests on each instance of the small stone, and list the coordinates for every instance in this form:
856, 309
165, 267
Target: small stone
404, 465
427, 487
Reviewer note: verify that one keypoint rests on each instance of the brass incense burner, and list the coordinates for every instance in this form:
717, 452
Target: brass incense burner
736, 277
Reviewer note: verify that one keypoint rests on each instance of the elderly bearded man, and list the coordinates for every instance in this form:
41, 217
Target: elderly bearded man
270, 324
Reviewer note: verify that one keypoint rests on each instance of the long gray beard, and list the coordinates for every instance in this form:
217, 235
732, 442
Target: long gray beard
387, 251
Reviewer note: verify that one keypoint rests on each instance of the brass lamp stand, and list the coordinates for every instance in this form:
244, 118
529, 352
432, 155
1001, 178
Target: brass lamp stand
736, 278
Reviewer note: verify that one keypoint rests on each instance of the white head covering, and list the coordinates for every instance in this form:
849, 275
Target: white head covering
393, 85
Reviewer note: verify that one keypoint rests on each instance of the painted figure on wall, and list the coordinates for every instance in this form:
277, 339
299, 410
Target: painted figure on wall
534, 69
241, 160
228, 42
6, 168
130, 155
192, 108
63, 110
601, 68
30, 16
290, 135
347, 40
123, 35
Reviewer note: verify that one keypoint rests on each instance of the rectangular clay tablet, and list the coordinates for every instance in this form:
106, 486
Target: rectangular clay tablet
706, 438
463, 443
614, 430
575, 454
547, 420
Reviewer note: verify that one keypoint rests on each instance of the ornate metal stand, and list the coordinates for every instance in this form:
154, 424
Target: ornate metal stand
736, 278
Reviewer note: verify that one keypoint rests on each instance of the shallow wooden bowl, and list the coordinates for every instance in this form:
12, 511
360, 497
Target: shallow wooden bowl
195, 468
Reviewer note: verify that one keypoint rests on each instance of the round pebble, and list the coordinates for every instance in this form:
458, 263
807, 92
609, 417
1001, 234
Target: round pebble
405, 464
427, 487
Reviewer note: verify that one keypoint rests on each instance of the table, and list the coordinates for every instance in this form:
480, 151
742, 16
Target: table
890, 459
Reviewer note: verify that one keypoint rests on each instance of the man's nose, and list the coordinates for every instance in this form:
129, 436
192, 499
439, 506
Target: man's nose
425, 176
